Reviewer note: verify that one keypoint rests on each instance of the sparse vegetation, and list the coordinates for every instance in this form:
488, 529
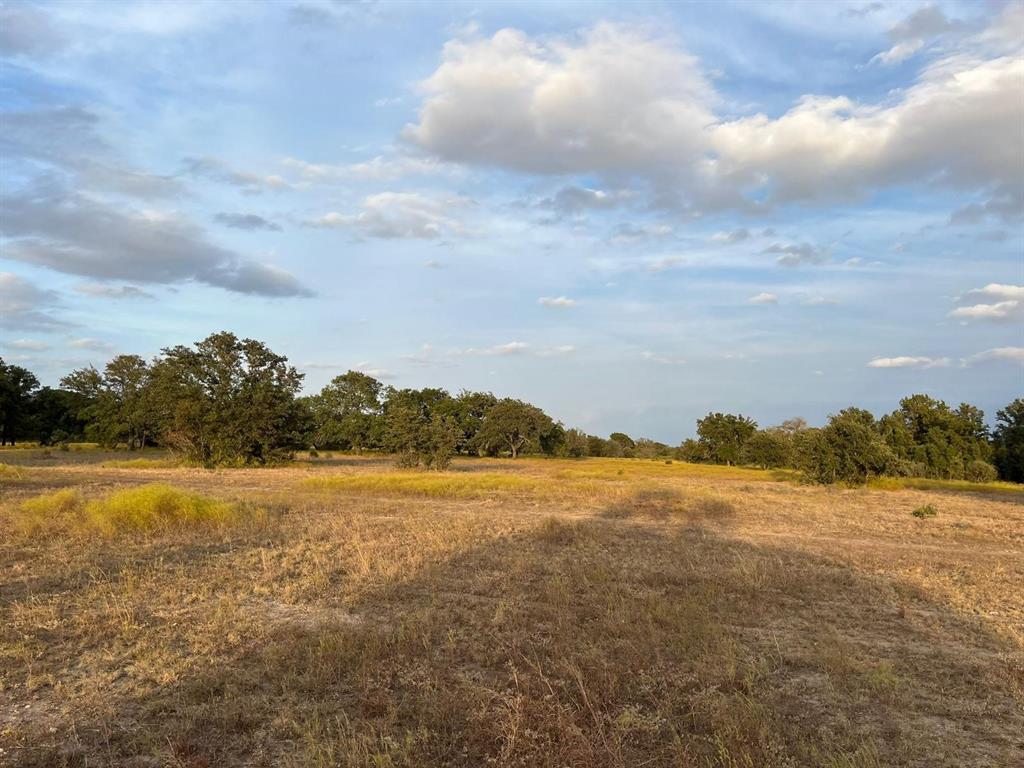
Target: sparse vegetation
596, 612
925, 511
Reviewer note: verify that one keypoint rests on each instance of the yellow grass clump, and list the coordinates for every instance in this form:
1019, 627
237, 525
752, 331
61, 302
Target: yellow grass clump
140, 464
152, 507
932, 484
435, 485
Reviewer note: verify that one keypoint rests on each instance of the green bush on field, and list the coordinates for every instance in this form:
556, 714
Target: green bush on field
152, 507
980, 472
928, 510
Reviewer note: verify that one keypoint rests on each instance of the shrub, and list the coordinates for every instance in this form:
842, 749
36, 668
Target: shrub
979, 471
926, 511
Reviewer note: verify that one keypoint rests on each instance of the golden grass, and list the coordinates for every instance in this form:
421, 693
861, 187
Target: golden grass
931, 484
506, 614
140, 464
450, 485
145, 508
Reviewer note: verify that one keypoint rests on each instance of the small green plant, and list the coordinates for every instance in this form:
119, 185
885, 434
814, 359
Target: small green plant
927, 510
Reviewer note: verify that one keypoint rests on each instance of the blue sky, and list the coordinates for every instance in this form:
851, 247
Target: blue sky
627, 214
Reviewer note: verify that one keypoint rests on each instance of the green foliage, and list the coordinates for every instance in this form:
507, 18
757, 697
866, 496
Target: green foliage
722, 436
118, 406
849, 449
514, 426
227, 401
1008, 442
928, 435
768, 449
346, 414
418, 428
17, 386
927, 510
980, 472
574, 444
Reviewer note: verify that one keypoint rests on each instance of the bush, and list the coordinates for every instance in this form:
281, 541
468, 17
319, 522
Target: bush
926, 511
979, 471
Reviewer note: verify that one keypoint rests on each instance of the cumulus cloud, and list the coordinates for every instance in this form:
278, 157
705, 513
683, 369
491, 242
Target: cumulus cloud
400, 215
104, 291
909, 362
25, 307
763, 298
623, 102
998, 354
1004, 303
248, 221
557, 301
795, 254
76, 234
613, 100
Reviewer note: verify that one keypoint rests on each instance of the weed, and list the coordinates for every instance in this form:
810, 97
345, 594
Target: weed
928, 510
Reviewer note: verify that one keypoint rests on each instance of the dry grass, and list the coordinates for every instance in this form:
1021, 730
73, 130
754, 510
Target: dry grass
529, 613
1014, 490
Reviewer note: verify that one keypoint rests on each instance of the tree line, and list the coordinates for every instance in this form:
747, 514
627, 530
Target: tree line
230, 401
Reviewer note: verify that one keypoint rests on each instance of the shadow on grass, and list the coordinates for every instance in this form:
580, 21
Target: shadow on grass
622, 640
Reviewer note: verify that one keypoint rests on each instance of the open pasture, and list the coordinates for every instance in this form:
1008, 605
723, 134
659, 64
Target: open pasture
596, 612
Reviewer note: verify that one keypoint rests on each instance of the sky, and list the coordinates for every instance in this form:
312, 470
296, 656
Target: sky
627, 214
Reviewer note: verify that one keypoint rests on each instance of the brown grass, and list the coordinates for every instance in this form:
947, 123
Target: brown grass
529, 613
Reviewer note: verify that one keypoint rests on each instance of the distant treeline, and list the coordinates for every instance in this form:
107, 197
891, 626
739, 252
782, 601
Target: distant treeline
231, 401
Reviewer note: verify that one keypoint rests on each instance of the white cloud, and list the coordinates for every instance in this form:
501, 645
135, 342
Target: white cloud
614, 100
623, 102
763, 298
400, 215
653, 357
733, 236
1008, 304
215, 169
103, 291
378, 168
557, 301
795, 254
511, 348
999, 354
909, 362
820, 301
28, 345
94, 345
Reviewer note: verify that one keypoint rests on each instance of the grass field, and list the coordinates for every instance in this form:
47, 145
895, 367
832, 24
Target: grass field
339, 612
